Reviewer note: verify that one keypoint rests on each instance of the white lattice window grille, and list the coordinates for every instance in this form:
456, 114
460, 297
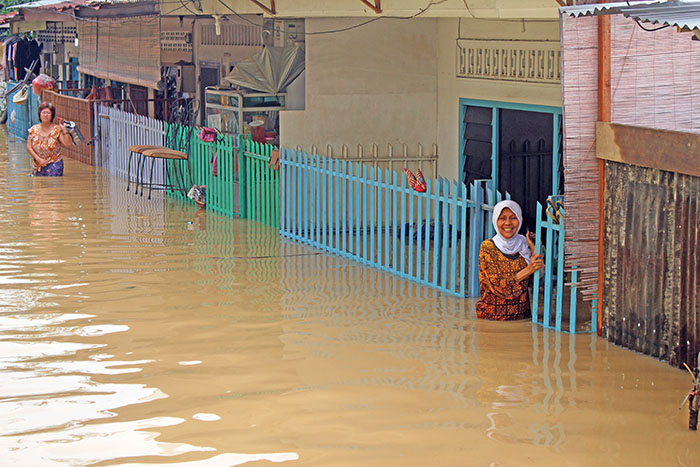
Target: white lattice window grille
57, 32
175, 41
232, 34
527, 61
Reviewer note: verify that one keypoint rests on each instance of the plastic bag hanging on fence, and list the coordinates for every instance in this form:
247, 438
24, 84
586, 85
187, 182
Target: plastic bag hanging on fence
208, 135
416, 181
274, 163
42, 82
215, 164
211, 135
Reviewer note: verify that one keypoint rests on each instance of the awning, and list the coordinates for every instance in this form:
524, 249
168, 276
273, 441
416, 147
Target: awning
598, 8
122, 49
270, 70
6, 18
681, 14
57, 4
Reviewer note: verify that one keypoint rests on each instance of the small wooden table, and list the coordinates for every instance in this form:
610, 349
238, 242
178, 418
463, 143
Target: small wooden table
154, 152
138, 150
170, 182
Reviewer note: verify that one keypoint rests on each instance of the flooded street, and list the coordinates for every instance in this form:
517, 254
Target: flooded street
148, 332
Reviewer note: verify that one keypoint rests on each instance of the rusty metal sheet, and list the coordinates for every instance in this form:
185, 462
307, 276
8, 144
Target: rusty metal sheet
647, 147
81, 112
652, 262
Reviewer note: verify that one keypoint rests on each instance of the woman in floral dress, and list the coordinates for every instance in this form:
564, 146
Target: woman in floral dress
506, 265
44, 143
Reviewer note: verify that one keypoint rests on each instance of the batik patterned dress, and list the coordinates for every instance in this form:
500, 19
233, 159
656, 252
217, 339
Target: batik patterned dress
502, 296
48, 148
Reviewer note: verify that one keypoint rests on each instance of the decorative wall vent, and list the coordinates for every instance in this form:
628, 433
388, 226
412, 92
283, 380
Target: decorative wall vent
528, 61
176, 41
57, 32
232, 34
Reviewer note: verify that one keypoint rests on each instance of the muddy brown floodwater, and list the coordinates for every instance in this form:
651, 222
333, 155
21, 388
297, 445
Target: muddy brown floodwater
137, 332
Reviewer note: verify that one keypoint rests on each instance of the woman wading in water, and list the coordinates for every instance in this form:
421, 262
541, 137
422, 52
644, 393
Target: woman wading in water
44, 143
506, 265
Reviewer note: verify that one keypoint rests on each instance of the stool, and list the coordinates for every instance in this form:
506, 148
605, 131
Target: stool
137, 149
164, 154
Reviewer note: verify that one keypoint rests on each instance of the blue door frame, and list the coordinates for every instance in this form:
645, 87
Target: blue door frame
496, 106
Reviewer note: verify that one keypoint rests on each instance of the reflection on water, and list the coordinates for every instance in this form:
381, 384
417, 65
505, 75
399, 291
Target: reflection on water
137, 331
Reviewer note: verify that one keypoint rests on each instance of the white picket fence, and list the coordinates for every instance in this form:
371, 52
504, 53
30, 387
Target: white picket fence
117, 130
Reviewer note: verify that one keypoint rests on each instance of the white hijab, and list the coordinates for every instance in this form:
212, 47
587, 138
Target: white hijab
517, 243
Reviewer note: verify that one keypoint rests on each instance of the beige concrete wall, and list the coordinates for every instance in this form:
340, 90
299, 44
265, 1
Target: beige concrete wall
225, 56
375, 84
350, 8
451, 88
395, 81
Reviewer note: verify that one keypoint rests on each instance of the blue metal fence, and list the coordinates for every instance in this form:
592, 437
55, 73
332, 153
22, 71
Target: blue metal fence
374, 217
550, 228
20, 117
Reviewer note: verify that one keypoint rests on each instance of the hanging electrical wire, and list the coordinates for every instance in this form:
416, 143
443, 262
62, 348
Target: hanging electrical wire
647, 29
334, 31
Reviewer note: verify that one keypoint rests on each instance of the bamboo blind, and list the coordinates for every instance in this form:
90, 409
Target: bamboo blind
580, 103
654, 77
122, 49
652, 85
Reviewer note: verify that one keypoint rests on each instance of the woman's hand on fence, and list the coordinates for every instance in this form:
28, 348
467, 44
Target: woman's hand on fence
530, 237
535, 264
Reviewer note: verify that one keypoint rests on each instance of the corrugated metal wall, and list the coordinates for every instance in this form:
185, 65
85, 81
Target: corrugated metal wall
652, 262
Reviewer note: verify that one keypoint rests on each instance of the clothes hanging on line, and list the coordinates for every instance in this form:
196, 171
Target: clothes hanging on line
18, 54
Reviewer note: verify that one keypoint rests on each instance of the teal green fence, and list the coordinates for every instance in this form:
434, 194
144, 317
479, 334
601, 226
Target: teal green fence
214, 165
560, 288
260, 185
374, 217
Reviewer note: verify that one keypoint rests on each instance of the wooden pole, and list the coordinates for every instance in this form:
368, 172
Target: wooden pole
604, 115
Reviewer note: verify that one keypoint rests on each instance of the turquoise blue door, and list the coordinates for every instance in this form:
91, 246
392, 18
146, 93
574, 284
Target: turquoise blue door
516, 146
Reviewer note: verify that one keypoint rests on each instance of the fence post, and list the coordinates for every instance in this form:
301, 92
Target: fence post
536, 278
437, 230
242, 176
546, 315
475, 233
560, 274
572, 300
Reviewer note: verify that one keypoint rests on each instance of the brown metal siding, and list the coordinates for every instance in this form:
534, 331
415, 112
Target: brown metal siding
652, 264
79, 111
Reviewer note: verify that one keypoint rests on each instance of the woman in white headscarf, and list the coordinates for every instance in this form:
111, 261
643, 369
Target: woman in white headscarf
506, 264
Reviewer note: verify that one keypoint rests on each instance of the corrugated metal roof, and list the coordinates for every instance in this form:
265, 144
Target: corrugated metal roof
6, 17
674, 13
599, 8
58, 4
681, 13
